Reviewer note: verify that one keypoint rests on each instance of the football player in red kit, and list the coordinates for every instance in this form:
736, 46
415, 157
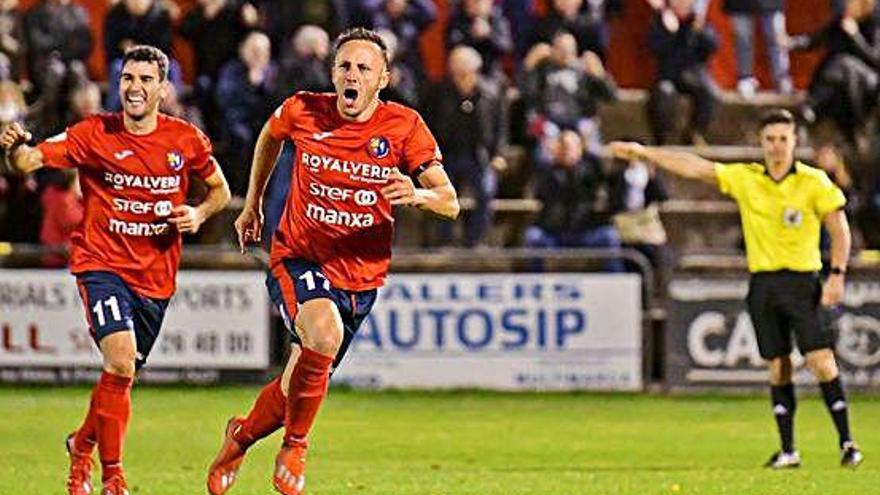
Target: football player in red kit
356, 157
134, 169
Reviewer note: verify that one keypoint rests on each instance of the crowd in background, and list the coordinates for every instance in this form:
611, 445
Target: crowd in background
513, 79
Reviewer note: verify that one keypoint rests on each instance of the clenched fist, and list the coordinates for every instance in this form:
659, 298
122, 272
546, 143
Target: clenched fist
400, 189
13, 135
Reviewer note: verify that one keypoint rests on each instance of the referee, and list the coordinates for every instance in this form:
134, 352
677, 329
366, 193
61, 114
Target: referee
782, 204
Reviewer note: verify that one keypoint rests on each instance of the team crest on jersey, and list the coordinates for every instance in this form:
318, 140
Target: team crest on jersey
175, 160
792, 217
379, 147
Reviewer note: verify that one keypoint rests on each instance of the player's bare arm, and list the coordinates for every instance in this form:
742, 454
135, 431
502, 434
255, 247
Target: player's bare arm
188, 219
687, 165
249, 223
837, 226
20, 156
436, 194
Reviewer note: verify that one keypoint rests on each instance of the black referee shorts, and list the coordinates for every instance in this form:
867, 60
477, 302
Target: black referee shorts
784, 303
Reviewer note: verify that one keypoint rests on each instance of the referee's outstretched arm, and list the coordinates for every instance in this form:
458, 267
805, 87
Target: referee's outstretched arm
687, 165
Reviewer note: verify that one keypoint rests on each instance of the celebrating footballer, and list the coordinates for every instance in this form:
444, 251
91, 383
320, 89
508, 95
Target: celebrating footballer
356, 157
134, 168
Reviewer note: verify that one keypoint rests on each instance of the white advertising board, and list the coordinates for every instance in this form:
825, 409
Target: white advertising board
501, 331
216, 320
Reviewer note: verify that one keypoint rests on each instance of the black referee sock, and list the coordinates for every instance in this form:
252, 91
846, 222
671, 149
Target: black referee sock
784, 406
835, 400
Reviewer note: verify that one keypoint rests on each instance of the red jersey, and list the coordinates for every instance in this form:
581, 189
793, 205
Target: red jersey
130, 183
336, 215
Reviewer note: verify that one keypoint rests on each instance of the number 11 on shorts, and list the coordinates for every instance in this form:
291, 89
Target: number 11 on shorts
112, 303
309, 277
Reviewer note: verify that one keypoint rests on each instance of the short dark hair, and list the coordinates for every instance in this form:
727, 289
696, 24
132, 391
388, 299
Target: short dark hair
147, 53
777, 116
361, 34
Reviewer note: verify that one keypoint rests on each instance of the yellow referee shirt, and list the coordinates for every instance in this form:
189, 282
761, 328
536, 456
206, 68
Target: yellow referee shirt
781, 220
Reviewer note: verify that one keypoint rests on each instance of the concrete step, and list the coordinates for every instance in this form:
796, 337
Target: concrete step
733, 123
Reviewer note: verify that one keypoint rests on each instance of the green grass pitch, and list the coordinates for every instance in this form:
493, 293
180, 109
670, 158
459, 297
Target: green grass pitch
388, 443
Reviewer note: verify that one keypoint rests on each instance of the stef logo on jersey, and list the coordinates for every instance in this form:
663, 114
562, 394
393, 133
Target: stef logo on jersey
175, 160
792, 217
379, 147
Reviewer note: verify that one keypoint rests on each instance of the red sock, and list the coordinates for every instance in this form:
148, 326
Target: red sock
308, 386
112, 410
265, 417
84, 438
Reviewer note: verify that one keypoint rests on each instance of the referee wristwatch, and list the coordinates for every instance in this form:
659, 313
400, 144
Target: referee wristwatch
836, 270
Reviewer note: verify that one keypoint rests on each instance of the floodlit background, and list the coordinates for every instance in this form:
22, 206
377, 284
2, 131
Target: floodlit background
581, 330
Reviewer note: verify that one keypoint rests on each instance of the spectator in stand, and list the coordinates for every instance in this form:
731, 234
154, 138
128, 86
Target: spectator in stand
468, 116
305, 68
135, 22
19, 201
407, 19
281, 18
682, 47
58, 42
634, 191
845, 83
175, 105
701, 8
838, 6
562, 90
829, 157
245, 97
869, 218
402, 87
62, 213
522, 16
215, 28
85, 100
13, 107
587, 21
567, 187
772, 17
479, 24
11, 41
